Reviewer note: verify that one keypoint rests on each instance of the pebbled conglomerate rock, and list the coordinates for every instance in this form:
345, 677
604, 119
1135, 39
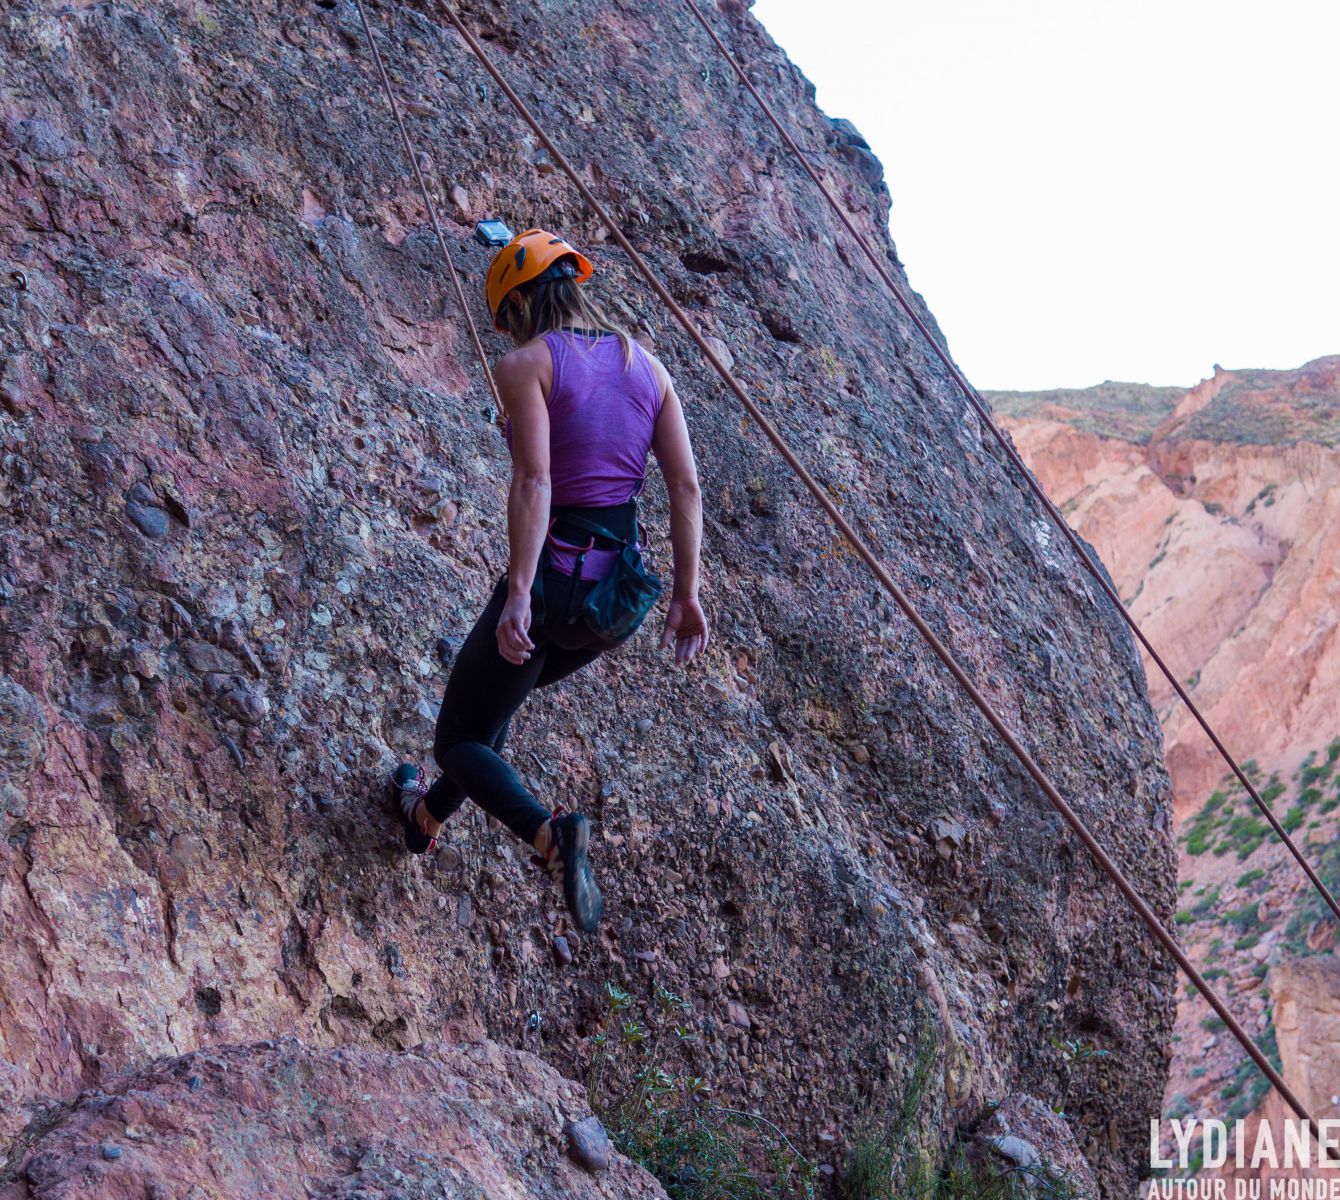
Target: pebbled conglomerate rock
279, 1118
231, 364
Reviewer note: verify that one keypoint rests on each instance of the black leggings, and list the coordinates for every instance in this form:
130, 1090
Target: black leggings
484, 690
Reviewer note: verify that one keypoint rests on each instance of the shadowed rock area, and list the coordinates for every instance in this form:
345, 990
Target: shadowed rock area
252, 497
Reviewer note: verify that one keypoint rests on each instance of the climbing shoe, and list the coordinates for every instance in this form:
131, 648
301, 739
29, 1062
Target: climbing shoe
566, 862
407, 789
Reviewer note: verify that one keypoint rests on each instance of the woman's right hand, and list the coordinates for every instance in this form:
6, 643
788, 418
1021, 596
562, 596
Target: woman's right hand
514, 642
685, 629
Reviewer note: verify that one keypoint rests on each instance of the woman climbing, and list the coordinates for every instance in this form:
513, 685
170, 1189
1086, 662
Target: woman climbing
584, 404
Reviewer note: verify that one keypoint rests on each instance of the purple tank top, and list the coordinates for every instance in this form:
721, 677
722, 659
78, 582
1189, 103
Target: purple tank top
602, 415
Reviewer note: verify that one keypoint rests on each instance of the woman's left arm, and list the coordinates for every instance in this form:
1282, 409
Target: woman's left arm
518, 377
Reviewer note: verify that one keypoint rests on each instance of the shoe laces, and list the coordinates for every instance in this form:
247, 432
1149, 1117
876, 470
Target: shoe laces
551, 861
420, 790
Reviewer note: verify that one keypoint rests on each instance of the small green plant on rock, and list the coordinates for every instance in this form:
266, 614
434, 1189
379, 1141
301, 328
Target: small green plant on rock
1075, 1052
888, 1162
670, 1124
885, 1147
961, 1179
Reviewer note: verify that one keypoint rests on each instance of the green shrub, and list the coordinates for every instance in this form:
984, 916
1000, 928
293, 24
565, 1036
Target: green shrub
1312, 908
868, 1173
1274, 789
1244, 834
886, 1161
956, 1180
1207, 904
1247, 878
1200, 837
959, 1181
1266, 496
1197, 842
1248, 1087
1312, 772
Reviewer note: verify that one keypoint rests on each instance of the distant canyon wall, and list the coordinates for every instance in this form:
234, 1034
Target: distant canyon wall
1227, 551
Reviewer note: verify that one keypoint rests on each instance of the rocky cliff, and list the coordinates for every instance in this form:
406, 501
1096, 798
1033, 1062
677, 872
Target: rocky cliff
1218, 510
252, 497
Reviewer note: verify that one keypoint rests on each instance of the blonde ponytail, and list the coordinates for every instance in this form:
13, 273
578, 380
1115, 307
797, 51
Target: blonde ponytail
557, 305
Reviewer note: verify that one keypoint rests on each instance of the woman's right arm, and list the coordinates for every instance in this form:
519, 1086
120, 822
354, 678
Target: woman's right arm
685, 623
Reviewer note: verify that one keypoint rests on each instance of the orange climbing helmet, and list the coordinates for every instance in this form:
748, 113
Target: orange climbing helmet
526, 258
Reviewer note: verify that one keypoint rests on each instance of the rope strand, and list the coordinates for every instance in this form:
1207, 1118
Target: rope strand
984, 414
432, 208
942, 652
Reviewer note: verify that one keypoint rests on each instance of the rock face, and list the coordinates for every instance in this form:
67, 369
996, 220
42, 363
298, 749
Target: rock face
1218, 511
284, 1119
252, 496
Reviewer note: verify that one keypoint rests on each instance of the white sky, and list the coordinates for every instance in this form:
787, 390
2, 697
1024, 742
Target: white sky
1099, 189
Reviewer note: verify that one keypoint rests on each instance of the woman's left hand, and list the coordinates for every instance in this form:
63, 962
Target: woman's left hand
514, 642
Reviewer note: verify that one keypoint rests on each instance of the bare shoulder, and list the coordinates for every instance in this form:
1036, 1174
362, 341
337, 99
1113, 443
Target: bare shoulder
525, 361
658, 369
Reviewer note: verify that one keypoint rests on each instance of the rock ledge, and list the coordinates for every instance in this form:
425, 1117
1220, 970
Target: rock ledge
284, 1119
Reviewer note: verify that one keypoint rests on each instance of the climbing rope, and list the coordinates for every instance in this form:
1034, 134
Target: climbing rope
1068, 814
984, 414
432, 208
942, 652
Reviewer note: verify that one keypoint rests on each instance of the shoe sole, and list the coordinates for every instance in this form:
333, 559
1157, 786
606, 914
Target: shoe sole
580, 890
